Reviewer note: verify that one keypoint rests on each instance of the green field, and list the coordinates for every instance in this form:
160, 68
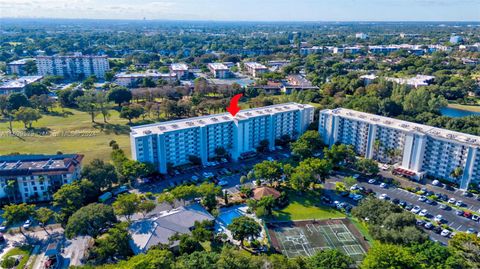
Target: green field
24, 251
72, 133
305, 206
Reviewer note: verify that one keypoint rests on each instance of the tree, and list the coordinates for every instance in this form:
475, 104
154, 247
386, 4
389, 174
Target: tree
267, 202
195, 160
349, 181
17, 100
44, 215
244, 227
187, 244
131, 170
269, 170
457, 172
382, 256
231, 258
88, 103
90, 220
15, 213
112, 245
70, 197
466, 246
119, 95
203, 231
184, 192
166, 197
36, 88
367, 166
131, 112
126, 205
305, 146
339, 154
330, 259
27, 115
263, 146
101, 174
198, 260
146, 206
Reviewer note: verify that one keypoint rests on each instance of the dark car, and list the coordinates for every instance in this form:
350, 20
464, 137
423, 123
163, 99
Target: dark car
395, 201
402, 203
408, 207
344, 193
437, 229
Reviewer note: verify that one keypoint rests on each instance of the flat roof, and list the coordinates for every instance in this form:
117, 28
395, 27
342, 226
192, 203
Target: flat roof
255, 65
218, 66
171, 126
143, 75
406, 126
21, 61
20, 82
31, 164
179, 67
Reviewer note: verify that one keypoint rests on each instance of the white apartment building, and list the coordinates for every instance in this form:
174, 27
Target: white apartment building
17, 85
180, 70
18, 67
132, 80
172, 142
73, 66
415, 149
219, 70
34, 177
255, 69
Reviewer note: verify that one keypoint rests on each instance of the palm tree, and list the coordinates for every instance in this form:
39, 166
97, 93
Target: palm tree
457, 173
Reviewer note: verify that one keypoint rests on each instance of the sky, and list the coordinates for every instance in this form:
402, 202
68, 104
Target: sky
247, 10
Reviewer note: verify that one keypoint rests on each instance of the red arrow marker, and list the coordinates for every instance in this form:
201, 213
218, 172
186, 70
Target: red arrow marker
233, 107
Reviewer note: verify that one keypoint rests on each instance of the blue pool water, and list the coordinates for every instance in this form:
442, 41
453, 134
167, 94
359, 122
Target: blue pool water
457, 113
227, 217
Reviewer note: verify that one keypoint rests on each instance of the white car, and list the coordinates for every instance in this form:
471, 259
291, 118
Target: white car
223, 183
428, 225
3, 227
357, 197
438, 218
416, 209
27, 224
459, 203
354, 187
383, 185
445, 233
383, 196
422, 198
435, 182
474, 218
423, 213
372, 181
452, 200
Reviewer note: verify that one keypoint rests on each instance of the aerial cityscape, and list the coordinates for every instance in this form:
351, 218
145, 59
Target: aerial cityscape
251, 134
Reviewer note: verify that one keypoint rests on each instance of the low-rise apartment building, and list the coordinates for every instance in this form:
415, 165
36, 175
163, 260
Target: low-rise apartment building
415, 149
219, 70
76, 66
180, 70
133, 80
18, 67
26, 178
255, 69
18, 85
172, 143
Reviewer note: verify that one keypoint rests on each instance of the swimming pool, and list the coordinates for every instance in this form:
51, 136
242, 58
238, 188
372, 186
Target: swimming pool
227, 217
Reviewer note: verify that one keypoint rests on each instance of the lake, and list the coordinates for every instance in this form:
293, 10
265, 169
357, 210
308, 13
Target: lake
457, 113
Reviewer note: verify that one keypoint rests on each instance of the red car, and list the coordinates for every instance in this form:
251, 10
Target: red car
467, 214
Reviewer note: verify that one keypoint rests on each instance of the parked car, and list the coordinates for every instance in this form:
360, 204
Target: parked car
420, 222
475, 217
383, 185
408, 206
3, 226
416, 209
459, 212
445, 233
471, 231
459, 203
444, 206
395, 201
402, 203
422, 198
438, 218
223, 183
27, 224
372, 181
435, 182
383, 196
437, 229
423, 213
467, 214
452, 200
428, 225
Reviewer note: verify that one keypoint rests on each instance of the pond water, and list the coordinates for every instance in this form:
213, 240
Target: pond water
457, 113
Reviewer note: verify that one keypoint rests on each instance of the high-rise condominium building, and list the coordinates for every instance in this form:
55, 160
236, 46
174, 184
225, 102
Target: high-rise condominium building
75, 66
173, 142
415, 149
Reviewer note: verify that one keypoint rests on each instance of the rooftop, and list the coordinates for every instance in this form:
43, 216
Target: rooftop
142, 75
169, 126
150, 232
179, 67
21, 61
20, 82
218, 66
34, 164
407, 126
255, 65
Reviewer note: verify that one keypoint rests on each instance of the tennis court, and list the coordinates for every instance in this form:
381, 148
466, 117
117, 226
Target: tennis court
305, 238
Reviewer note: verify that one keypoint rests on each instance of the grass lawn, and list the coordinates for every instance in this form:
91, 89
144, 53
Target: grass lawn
465, 107
362, 228
25, 251
72, 133
305, 206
